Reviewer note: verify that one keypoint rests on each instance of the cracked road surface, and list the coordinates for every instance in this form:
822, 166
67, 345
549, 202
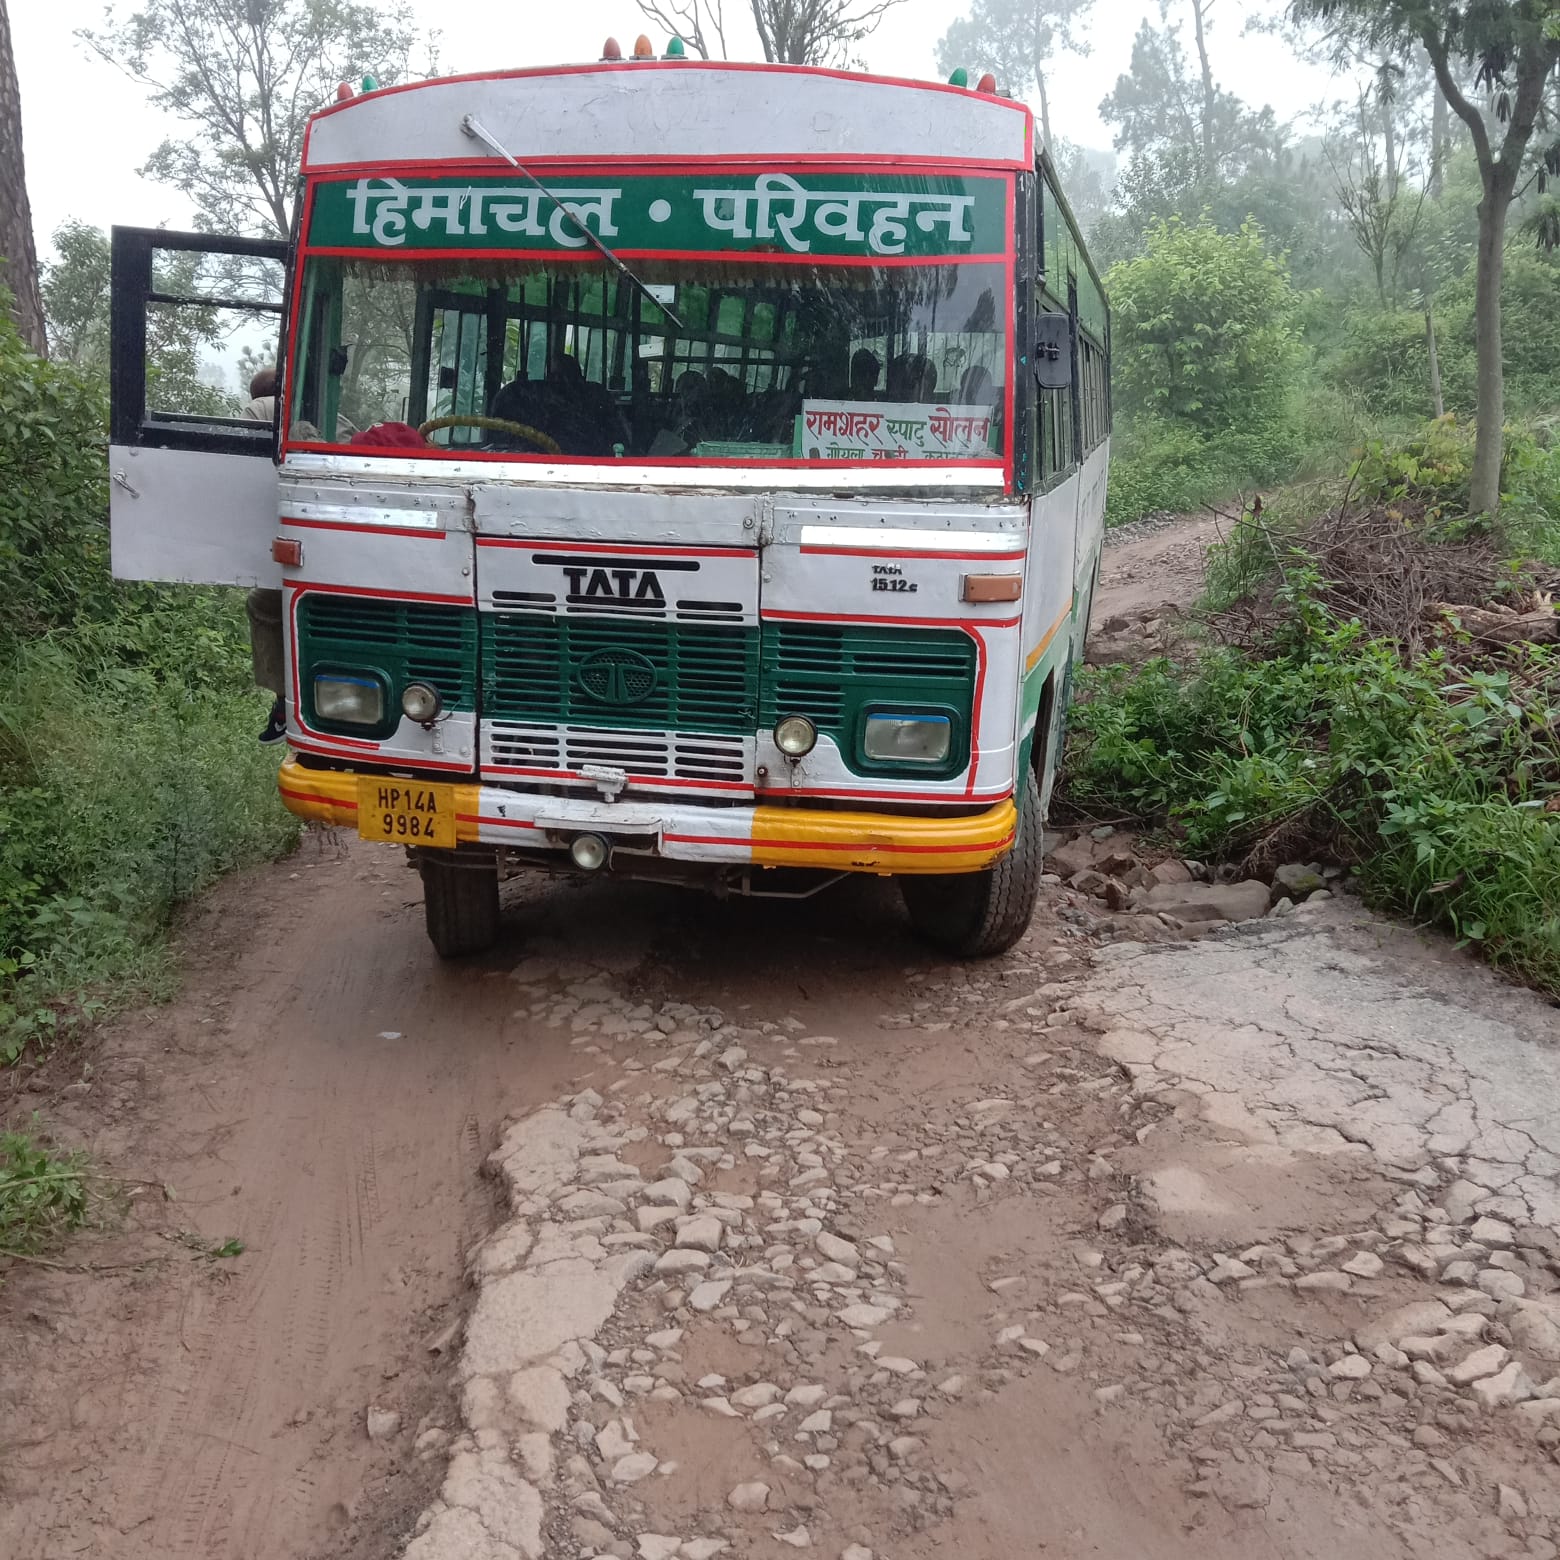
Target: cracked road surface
793, 1238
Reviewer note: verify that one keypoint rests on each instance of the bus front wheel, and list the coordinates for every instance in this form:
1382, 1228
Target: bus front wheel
977, 915
460, 900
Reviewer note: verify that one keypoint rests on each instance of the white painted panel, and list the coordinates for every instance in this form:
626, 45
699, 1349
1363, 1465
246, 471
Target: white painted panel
690, 110
191, 517
1091, 515
591, 515
1048, 589
885, 539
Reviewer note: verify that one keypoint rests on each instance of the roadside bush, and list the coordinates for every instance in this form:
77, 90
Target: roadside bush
43, 1194
1443, 783
129, 773
1205, 328
1157, 464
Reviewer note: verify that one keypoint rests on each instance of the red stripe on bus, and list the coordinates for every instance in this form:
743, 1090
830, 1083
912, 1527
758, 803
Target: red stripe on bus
615, 548
351, 251
371, 530
309, 796
300, 586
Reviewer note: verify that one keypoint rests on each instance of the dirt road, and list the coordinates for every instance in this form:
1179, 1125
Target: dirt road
794, 1238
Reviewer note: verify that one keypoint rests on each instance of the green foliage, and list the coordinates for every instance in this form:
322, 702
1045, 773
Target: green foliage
179, 338
1014, 39
53, 490
1205, 328
129, 773
239, 154
1444, 783
43, 1194
1157, 464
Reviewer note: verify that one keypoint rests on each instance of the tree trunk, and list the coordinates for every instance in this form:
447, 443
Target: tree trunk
20, 272
1489, 443
1199, 18
1437, 400
1440, 145
1045, 108
1389, 135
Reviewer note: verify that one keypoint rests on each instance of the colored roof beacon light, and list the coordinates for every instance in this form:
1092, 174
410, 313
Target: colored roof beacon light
675, 49
987, 84
643, 49
612, 50
344, 92
960, 78
370, 83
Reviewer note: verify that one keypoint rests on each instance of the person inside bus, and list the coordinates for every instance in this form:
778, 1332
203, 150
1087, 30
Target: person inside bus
975, 387
580, 416
864, 370
261, 406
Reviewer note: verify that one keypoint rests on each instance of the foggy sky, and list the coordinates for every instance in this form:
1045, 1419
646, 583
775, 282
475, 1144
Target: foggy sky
86, 127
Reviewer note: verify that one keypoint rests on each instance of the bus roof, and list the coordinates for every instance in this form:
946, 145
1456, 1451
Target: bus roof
673, 110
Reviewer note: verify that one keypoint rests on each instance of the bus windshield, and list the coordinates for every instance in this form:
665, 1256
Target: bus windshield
816, 317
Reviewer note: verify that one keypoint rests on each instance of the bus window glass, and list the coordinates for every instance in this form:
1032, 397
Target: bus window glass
532, 356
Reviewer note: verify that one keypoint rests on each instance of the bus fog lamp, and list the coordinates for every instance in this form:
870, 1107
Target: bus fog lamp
796, 736
420, 701
349, 701
589, 851
907, 739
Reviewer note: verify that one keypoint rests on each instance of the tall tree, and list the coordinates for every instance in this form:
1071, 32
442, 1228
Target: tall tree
816, 32
1017, 40
701, 24
244, 76
1368, 163
20, 274
1210, 96
1494, 62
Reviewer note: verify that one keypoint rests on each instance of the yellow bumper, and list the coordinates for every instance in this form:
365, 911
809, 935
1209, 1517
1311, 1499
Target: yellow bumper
733, 836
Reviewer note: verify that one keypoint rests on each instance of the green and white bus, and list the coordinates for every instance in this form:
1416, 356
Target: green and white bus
679, 469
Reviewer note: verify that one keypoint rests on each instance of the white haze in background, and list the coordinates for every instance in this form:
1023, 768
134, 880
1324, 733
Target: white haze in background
87, 128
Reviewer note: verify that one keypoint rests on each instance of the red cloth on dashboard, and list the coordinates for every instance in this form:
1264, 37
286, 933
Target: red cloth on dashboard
395, 434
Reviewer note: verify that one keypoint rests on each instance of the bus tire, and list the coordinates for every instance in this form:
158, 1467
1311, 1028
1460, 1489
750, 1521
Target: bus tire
460, 900
977, 915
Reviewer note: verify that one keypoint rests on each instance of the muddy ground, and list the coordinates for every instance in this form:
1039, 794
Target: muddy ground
676, 1228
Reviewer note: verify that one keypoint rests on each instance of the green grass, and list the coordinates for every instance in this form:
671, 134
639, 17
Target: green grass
1440, 782
43, 1194
130, 779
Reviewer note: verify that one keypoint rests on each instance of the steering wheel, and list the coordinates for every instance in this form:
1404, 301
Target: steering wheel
543, 442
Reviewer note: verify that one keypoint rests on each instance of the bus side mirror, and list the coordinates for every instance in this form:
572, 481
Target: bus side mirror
1053, 351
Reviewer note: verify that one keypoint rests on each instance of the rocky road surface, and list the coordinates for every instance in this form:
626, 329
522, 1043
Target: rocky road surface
679, 1229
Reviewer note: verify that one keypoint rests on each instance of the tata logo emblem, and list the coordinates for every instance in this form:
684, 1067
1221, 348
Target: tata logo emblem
615, 676
617, 585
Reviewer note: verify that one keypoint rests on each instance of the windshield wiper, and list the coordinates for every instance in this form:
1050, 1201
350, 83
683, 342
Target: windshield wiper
474, 127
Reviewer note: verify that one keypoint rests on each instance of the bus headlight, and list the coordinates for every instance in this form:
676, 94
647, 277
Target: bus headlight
796, 736
349, 701
420, 701
907, 739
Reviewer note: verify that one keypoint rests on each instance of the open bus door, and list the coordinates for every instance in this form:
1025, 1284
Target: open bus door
193, 491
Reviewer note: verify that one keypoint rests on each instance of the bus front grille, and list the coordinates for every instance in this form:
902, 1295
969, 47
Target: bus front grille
541, 752
612, 674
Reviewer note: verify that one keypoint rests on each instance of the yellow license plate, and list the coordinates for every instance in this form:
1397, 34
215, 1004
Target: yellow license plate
406, 812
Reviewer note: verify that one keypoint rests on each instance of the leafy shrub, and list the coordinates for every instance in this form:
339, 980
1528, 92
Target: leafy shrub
129, 773
1444, 783
1205, 328
43, 1195
1158, 464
